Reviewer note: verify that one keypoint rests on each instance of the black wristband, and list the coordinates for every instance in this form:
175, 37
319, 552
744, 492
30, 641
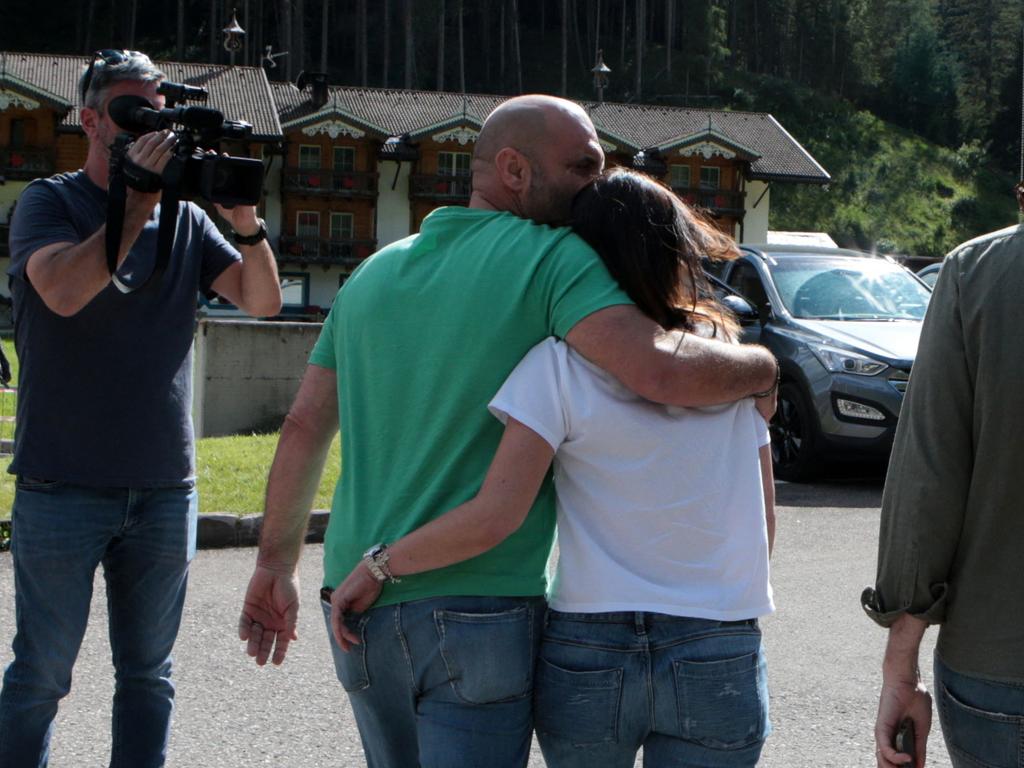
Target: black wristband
139, 178
259, 237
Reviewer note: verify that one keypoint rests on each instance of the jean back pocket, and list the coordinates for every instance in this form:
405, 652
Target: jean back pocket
489, 656
720, 702
977, 737
579, 706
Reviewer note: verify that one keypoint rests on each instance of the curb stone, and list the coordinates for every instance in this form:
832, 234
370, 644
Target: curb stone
219, 531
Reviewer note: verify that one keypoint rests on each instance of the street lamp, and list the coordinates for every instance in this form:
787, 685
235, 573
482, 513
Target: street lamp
600, 72
233, 34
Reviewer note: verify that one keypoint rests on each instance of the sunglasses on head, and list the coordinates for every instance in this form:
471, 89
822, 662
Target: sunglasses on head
108, 57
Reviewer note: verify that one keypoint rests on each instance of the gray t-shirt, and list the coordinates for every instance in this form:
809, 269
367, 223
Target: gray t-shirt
105, 395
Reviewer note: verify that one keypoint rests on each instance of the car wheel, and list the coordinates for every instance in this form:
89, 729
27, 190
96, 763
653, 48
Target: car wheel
795, 437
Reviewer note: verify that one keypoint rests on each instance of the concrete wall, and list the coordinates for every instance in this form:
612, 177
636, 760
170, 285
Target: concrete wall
247, 373
755, 220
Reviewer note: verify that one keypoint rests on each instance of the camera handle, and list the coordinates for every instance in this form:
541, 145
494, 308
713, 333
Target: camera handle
123, 173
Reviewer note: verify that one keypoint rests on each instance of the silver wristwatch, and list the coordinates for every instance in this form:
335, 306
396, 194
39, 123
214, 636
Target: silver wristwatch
377, 560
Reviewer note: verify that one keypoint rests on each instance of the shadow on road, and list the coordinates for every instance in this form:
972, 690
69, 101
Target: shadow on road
845, 486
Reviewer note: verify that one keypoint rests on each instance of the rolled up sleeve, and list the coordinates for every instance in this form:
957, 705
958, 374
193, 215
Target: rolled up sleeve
928, 481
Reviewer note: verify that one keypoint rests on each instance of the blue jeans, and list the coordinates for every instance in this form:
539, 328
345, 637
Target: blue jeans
60, 533
691, 692
444, 681
982, 721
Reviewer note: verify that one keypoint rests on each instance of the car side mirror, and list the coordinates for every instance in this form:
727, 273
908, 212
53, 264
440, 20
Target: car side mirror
740, 307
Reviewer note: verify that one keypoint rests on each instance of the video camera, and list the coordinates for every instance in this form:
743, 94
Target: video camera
192, 171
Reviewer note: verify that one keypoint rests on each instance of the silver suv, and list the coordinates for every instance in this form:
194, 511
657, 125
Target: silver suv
844, 326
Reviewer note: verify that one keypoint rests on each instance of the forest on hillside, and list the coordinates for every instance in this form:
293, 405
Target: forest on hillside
947, 71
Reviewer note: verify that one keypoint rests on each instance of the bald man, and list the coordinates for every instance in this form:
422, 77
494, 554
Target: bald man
418, 341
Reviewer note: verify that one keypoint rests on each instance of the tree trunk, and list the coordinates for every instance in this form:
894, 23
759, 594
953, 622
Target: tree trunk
734, 46
835, 43
575, 13
133, 15
515, 41
247, 26
622, 38
111, 22
387, 42
640, 26
757, 40
299, 35
257, 30
90, 20
180, 49
211, 36
440, 48
485, 36
462, 50
364, 48
409, 42
286, 38
357, 39
589, 27
565, 47
325, 18
669, 20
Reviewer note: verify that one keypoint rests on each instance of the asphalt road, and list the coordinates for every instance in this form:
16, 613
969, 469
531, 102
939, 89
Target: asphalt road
823, 656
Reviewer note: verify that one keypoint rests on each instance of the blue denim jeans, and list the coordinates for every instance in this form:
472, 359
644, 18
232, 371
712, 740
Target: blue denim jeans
982, 721
60, 533
691, 692
444, 681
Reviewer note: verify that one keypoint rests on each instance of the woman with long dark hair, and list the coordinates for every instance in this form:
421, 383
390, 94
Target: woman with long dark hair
665, 520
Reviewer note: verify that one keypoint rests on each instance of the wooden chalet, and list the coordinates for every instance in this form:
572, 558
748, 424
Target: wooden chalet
350, 170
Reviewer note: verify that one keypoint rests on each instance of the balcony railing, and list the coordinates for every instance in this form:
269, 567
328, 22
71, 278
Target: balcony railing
717, 201
26, 162
440, 187
327, 182
319, 250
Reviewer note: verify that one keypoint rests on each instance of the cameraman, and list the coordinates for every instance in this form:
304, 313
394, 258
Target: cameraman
104, 452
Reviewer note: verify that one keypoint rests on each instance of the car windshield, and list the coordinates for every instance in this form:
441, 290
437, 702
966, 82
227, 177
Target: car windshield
848, 288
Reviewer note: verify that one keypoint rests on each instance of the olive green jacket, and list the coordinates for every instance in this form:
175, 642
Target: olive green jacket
951, 544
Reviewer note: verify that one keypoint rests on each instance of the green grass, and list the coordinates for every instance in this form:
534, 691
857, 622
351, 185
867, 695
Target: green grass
7, 399
7, 404
232, 475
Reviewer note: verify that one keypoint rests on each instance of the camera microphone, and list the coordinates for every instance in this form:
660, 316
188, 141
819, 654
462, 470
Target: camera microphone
176, 92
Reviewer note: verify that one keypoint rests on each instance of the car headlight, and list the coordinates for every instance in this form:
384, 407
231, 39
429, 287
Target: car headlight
844, 361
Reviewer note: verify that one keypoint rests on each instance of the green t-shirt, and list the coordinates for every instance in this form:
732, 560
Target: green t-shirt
421, 336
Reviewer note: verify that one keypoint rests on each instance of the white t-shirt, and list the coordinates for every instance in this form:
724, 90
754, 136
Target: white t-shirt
660, 508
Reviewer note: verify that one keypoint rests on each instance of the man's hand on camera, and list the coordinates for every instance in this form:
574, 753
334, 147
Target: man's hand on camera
242, 218
151, 151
